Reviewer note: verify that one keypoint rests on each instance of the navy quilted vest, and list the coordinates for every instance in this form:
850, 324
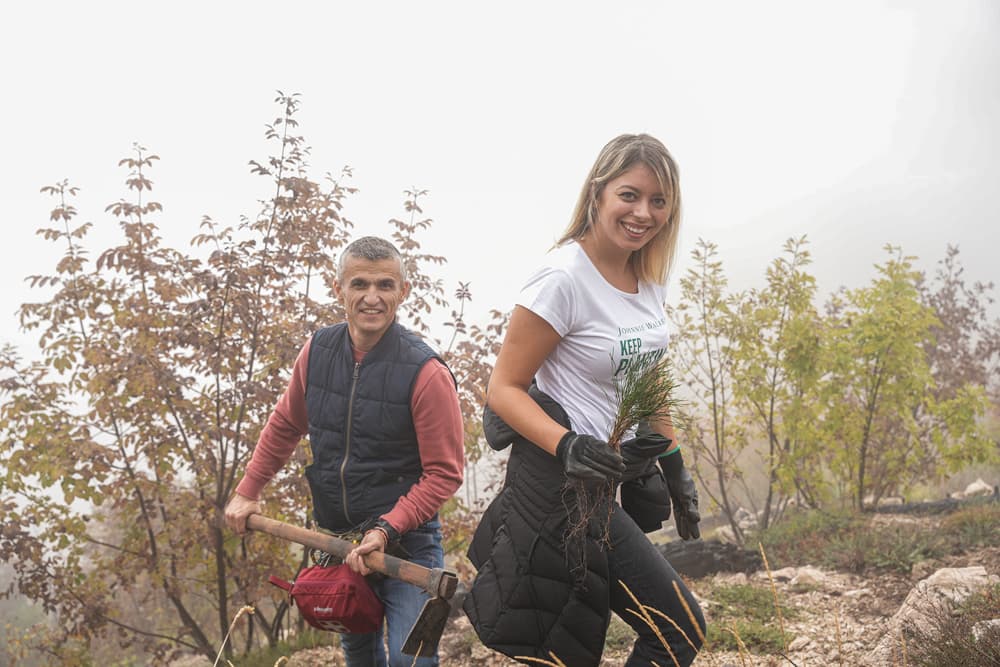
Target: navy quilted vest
365, 453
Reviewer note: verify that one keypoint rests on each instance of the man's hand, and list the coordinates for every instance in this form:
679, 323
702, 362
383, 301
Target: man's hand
237, 511
373, 540
683, 495
587, 458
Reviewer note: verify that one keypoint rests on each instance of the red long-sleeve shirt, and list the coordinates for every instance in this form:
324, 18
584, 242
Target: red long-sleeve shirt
437, 420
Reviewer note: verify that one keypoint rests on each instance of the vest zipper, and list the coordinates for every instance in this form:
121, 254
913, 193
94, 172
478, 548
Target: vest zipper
347, 443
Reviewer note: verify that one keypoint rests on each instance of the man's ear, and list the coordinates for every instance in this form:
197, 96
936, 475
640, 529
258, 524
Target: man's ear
336, 288
406, 291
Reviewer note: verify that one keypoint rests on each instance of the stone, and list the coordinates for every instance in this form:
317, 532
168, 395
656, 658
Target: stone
946, 588
699, 558
735, 579
725, 534
983, 628
784, 574
978, 488
808, 576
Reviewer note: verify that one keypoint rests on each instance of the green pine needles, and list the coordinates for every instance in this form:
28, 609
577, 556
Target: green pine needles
643, 394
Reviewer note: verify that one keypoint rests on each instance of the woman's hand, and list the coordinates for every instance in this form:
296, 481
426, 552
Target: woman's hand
587, 458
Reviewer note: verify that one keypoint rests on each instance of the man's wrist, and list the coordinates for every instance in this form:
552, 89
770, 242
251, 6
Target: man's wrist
391, 534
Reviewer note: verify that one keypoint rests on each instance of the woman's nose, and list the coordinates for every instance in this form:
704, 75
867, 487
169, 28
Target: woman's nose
641, 209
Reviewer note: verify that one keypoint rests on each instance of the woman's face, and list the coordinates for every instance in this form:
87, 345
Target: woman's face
631, 209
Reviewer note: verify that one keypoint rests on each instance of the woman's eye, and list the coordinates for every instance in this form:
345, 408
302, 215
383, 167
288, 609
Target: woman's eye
659, 202
627, 196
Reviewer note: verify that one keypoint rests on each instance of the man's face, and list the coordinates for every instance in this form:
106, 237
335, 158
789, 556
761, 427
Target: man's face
370, 292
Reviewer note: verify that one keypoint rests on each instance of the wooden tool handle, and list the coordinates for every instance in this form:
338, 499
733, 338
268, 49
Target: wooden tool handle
436, 581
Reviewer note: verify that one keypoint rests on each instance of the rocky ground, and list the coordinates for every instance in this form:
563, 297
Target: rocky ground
839, 617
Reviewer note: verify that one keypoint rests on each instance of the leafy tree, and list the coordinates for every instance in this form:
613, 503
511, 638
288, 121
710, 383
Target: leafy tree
157, 371
706, 323
883, 428
776, 371
965, 348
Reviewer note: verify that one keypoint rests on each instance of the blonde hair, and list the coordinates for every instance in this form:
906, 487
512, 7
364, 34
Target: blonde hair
652, 262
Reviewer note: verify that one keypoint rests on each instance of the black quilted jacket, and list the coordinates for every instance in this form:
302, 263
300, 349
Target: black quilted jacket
533, 596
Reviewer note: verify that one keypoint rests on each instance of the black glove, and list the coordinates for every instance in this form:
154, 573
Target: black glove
587, 458
683, 495
639, 453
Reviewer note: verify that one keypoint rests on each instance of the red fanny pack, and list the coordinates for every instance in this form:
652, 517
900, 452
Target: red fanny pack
334, 598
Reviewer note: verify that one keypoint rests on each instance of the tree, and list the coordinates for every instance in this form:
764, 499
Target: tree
965, 344
157, 371
705, 320
776, 336
883, 428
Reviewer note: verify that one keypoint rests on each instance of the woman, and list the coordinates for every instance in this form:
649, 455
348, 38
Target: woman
581, 321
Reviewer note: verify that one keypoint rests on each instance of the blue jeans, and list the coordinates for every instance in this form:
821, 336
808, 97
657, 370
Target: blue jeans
637, 563
402, 602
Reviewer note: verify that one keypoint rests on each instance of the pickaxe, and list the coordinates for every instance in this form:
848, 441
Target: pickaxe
439, 583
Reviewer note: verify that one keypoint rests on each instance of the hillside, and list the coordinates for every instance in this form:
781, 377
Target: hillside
815, 600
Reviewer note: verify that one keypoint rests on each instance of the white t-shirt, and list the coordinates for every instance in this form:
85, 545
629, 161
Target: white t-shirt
603, 330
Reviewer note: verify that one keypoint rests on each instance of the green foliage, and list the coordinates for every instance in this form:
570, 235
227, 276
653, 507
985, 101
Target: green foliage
886, 389
776, 370
707, 322
895, 548
883, 429
749, 610
757, 636
850, 542
269, 655
973, 527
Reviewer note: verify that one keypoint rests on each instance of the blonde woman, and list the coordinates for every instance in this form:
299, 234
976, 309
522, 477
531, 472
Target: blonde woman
593, 310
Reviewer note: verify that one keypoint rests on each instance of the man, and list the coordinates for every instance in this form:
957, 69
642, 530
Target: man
385, 428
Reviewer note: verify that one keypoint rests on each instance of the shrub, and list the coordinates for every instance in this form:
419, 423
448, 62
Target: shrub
950, 639
973, 527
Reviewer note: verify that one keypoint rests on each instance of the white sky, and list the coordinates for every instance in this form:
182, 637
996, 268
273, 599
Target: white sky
858, 123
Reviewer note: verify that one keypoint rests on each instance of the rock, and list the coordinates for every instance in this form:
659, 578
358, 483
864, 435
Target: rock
984, 628
725, 534
857, 593
784, 574
737, 579
978, 488
808, 576
799, 643
700, 558
945, 589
